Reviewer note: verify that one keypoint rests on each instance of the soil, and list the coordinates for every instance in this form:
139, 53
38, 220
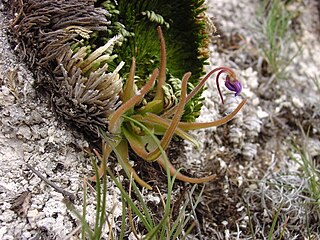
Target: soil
252, 156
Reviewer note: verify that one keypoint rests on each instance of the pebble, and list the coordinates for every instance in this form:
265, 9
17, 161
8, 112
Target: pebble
251, 78
255, 101
24, 132
262, 114
33, 216
297, 102
5, 90
51, 134
7, 216
3, 231
224, 223
35, 117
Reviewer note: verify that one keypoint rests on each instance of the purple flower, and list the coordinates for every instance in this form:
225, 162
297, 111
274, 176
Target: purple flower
233, 85
231, 81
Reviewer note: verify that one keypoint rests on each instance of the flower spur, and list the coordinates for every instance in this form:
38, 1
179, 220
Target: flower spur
125, 123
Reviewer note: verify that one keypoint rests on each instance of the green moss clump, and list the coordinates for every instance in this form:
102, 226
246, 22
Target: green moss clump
184, 31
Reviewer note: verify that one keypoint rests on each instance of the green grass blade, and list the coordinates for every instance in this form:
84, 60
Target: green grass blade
170, 181
189, 230
134, 186
274, 222
85, 225
129, 200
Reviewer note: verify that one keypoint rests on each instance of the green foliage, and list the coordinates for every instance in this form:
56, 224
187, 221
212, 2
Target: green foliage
154, 17
100, 217
274, 222
184, 31
309, 169
165, 228
316, 81
276, 21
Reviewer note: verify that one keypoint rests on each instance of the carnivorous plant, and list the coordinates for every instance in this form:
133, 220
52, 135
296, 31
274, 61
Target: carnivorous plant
163, 121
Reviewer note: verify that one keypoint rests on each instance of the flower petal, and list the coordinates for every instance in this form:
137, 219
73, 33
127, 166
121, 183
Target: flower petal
234, 86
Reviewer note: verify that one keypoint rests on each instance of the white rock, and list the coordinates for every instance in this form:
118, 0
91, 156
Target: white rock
3, 230
33, 213
5, 90
26, 235
51, 133
224, 223
261, 114
297, 102
55, 225
33, 216
54, 206
222, 163
7, 216
24, 132
132, 236
152, 198
240, 180
255, 101
251, 78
